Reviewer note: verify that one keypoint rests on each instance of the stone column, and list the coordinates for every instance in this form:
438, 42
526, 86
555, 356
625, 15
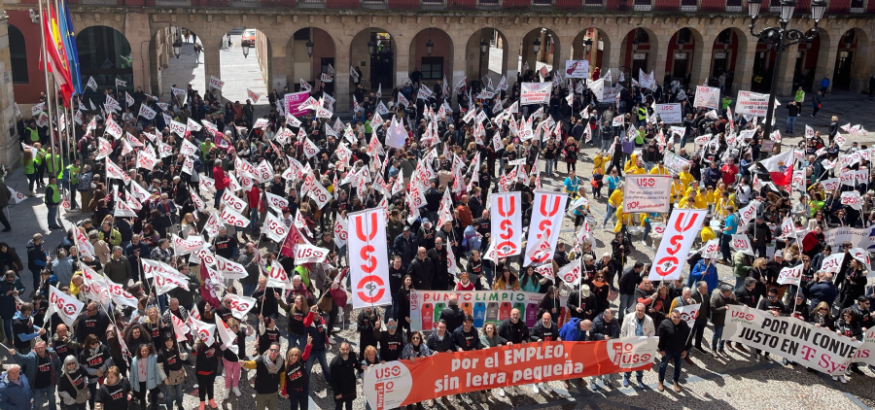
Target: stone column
402, 56
658, 55
826, 59
138, 35
512, 56
278, 64
342, 91
9, 149
460, 58
744, 66
785, 75
703, 54
212, 63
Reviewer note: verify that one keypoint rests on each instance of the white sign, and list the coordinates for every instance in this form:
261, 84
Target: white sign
708, 97
507, 226
535, 93
647, 194
670, 113
751, 103
574, 69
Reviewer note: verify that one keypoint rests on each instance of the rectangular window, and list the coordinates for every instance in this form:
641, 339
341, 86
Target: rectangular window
432, 68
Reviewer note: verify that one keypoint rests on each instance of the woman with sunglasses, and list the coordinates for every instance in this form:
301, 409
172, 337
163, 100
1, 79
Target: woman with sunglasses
413, 351
297, 388
73, 385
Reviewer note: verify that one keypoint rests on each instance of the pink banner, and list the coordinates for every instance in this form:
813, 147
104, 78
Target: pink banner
294, 101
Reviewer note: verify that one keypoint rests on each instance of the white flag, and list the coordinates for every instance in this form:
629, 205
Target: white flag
66, 306
227, 335
274, 228
368, 258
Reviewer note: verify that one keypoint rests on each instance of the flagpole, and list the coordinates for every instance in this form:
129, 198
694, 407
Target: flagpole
45, 56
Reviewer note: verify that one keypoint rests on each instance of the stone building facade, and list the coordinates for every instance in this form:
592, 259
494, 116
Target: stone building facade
689, 39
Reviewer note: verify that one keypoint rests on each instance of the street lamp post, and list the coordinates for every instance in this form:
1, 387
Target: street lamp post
781, 38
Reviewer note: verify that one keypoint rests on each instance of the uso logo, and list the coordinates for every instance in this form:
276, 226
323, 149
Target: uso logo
68, 308
737, 314
645, 182
626, 355
388, 385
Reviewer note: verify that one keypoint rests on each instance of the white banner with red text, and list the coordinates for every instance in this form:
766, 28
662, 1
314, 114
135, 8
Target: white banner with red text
368, 258
647, 194
683, 228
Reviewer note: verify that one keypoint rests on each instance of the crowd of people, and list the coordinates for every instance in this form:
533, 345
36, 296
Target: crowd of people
114, 354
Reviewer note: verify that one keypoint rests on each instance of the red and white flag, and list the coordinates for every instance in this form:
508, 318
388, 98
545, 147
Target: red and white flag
507, 227
119, 295
683, 227
571, 273
66, 306
780, 167
180, 328
240, 305
278, 278
274, 228
368, 258
547, 212
227, 335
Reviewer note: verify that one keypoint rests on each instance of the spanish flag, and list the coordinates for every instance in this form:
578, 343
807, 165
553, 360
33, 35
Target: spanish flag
57, 62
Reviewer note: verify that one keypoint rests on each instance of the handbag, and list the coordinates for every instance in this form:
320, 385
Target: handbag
82, 395
176, 376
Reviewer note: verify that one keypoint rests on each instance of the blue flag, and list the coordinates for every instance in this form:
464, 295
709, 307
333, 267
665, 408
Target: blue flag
69, 38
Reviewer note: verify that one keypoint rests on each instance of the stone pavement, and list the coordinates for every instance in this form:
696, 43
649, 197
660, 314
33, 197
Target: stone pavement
736, 381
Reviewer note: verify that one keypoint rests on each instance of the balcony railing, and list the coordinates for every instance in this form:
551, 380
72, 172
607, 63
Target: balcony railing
643, 6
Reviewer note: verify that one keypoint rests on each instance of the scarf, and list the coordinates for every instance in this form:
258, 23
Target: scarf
273, 367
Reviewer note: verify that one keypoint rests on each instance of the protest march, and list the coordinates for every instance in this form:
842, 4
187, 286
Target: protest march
445, 245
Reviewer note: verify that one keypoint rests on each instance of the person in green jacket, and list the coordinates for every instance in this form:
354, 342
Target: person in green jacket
741, 264
799, 98
69, 178
53, 199
54, 163
28, 164
40, 161
32, 132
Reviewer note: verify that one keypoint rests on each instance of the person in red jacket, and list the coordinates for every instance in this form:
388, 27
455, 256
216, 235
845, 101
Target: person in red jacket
221, 181
255, 202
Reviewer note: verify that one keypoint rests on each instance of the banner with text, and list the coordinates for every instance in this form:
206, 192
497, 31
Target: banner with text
487, 306
708, 97
647, 193
294, 102
751, 103
536, 93
670, 113
817, 348
390, 385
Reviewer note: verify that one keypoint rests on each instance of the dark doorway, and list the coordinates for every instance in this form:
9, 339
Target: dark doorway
382, 62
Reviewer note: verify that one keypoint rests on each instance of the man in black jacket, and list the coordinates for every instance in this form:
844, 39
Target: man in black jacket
438, 257
343, 376
452, 314
544, 331
701, 296
628, 284
672, 334
515, 331
421, 270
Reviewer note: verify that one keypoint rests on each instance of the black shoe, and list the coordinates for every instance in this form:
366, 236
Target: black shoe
6, 230
699, 348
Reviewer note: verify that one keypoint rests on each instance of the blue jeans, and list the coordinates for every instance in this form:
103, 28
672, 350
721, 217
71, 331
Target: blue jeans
253, 220
609, 213
675, 357
716, 340
638, 375
549, 169
647, 229
626, 301
298, 340
724, 247
249, 288
739, 282
41, 394
218, 198
171, 394
7, 330
791, 122
323, 361
53, 217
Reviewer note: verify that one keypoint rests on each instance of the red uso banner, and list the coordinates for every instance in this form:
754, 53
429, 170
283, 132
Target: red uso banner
547, 212
368, 258
391, 385
682, 229
647, 194
67, 307
507, 227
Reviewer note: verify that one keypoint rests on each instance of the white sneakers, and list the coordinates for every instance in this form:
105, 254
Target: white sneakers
840, 378
226, 394
535, 388
236, 391
501, 392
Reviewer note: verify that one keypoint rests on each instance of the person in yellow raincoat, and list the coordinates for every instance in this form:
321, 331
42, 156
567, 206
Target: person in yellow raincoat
659, 169
686, 177
707, 232
637, 169
693, 201
677, 189
724, 201
631, 163
615, 201
623, 219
